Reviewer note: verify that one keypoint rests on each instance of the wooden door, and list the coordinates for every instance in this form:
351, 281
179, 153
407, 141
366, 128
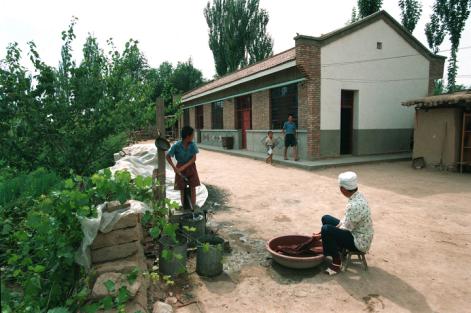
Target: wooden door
244, 116
465, 162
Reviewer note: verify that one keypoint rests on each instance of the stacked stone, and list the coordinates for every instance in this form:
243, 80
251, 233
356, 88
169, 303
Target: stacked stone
115, 254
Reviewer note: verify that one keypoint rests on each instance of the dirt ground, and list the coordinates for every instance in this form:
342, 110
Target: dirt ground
419, 260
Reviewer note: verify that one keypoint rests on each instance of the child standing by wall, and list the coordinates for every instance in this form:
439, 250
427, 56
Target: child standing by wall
185, 151
270, 145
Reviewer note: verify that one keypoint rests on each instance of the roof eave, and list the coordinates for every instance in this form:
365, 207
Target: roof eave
279, 67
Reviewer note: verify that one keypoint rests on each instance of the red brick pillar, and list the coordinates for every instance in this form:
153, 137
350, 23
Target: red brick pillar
308, 60
261, 110
229, 114
207, 116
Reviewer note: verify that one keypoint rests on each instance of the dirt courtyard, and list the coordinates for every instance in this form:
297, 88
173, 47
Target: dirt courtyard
420, 260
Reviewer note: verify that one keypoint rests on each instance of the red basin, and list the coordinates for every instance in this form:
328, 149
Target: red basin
292, 261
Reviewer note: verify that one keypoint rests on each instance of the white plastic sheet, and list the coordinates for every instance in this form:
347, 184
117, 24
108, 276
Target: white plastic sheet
141, 159
104, 223
138, 159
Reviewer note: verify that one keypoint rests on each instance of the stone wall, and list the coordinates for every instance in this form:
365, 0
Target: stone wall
213, 137
116, 254
255, 142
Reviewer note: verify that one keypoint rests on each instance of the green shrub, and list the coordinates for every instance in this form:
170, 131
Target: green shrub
41, 233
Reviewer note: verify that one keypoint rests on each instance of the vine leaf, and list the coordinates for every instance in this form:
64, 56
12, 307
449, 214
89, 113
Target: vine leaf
132, 276
107, 302
110, 286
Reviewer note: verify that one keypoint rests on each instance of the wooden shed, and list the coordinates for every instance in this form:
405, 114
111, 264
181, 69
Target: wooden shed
442, 132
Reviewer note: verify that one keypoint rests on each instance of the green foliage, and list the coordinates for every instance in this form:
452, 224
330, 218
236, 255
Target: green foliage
410, 13
132, 276
170, 82
440, 88
237, 33
453, 15
77, 115
354, 16
435, 32
368, 7
186, 77
205, 247
41, 233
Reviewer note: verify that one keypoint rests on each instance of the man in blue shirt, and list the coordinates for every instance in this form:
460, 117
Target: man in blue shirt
185, 151
289, 131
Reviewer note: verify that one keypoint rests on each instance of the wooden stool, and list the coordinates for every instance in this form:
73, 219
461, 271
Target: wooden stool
347, 257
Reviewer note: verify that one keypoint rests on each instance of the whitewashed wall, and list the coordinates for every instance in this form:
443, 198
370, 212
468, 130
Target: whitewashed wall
379, 102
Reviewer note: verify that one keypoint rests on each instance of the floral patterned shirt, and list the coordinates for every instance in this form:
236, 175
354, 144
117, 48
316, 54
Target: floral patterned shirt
358, 221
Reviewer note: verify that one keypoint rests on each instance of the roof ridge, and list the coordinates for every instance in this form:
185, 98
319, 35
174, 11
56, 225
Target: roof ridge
376, 15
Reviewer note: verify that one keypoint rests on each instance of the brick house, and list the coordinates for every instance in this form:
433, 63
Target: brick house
343, 87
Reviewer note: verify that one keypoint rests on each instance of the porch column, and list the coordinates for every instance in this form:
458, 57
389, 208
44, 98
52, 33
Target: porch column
308, 60
192, 117
261, 110
229, 114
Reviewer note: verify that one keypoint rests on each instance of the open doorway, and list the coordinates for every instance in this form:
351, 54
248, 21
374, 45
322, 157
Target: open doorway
346, 121
244, 116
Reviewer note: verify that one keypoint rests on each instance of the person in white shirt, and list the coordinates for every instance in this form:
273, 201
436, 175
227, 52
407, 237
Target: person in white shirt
270, 145
354, 231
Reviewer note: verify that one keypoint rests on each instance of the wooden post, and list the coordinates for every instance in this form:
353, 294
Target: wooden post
160, 175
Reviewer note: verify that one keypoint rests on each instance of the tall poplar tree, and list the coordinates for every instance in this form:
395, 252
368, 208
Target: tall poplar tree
410, 13
237, 33
453, 14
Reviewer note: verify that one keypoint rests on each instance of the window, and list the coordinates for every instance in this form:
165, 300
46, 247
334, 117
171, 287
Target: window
217, 120
379, 45
284, 101
186, 117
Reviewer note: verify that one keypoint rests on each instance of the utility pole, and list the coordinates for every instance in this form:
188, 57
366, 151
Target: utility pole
159, 173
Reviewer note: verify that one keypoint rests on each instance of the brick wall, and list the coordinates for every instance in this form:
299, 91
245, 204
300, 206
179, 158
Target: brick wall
435, 71
261, 110
302, 105
207, 116
308, 59
192, 117
228, 113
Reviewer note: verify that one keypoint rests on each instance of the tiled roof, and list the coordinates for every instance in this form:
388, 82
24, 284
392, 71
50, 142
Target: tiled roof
266, 64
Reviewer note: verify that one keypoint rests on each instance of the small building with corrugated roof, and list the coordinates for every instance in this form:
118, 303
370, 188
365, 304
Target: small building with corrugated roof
343, 88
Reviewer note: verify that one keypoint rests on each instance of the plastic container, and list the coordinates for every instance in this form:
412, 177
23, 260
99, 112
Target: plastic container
172, 255
209, 256
193, 226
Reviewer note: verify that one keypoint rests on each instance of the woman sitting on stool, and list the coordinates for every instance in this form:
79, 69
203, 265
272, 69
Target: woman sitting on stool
354, 231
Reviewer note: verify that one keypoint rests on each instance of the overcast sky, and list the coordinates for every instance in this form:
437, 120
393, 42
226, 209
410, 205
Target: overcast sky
174, 30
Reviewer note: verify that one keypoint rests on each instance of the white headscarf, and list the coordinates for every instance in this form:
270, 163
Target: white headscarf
348, 180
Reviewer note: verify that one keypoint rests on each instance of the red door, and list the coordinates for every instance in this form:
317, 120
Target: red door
244, 116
